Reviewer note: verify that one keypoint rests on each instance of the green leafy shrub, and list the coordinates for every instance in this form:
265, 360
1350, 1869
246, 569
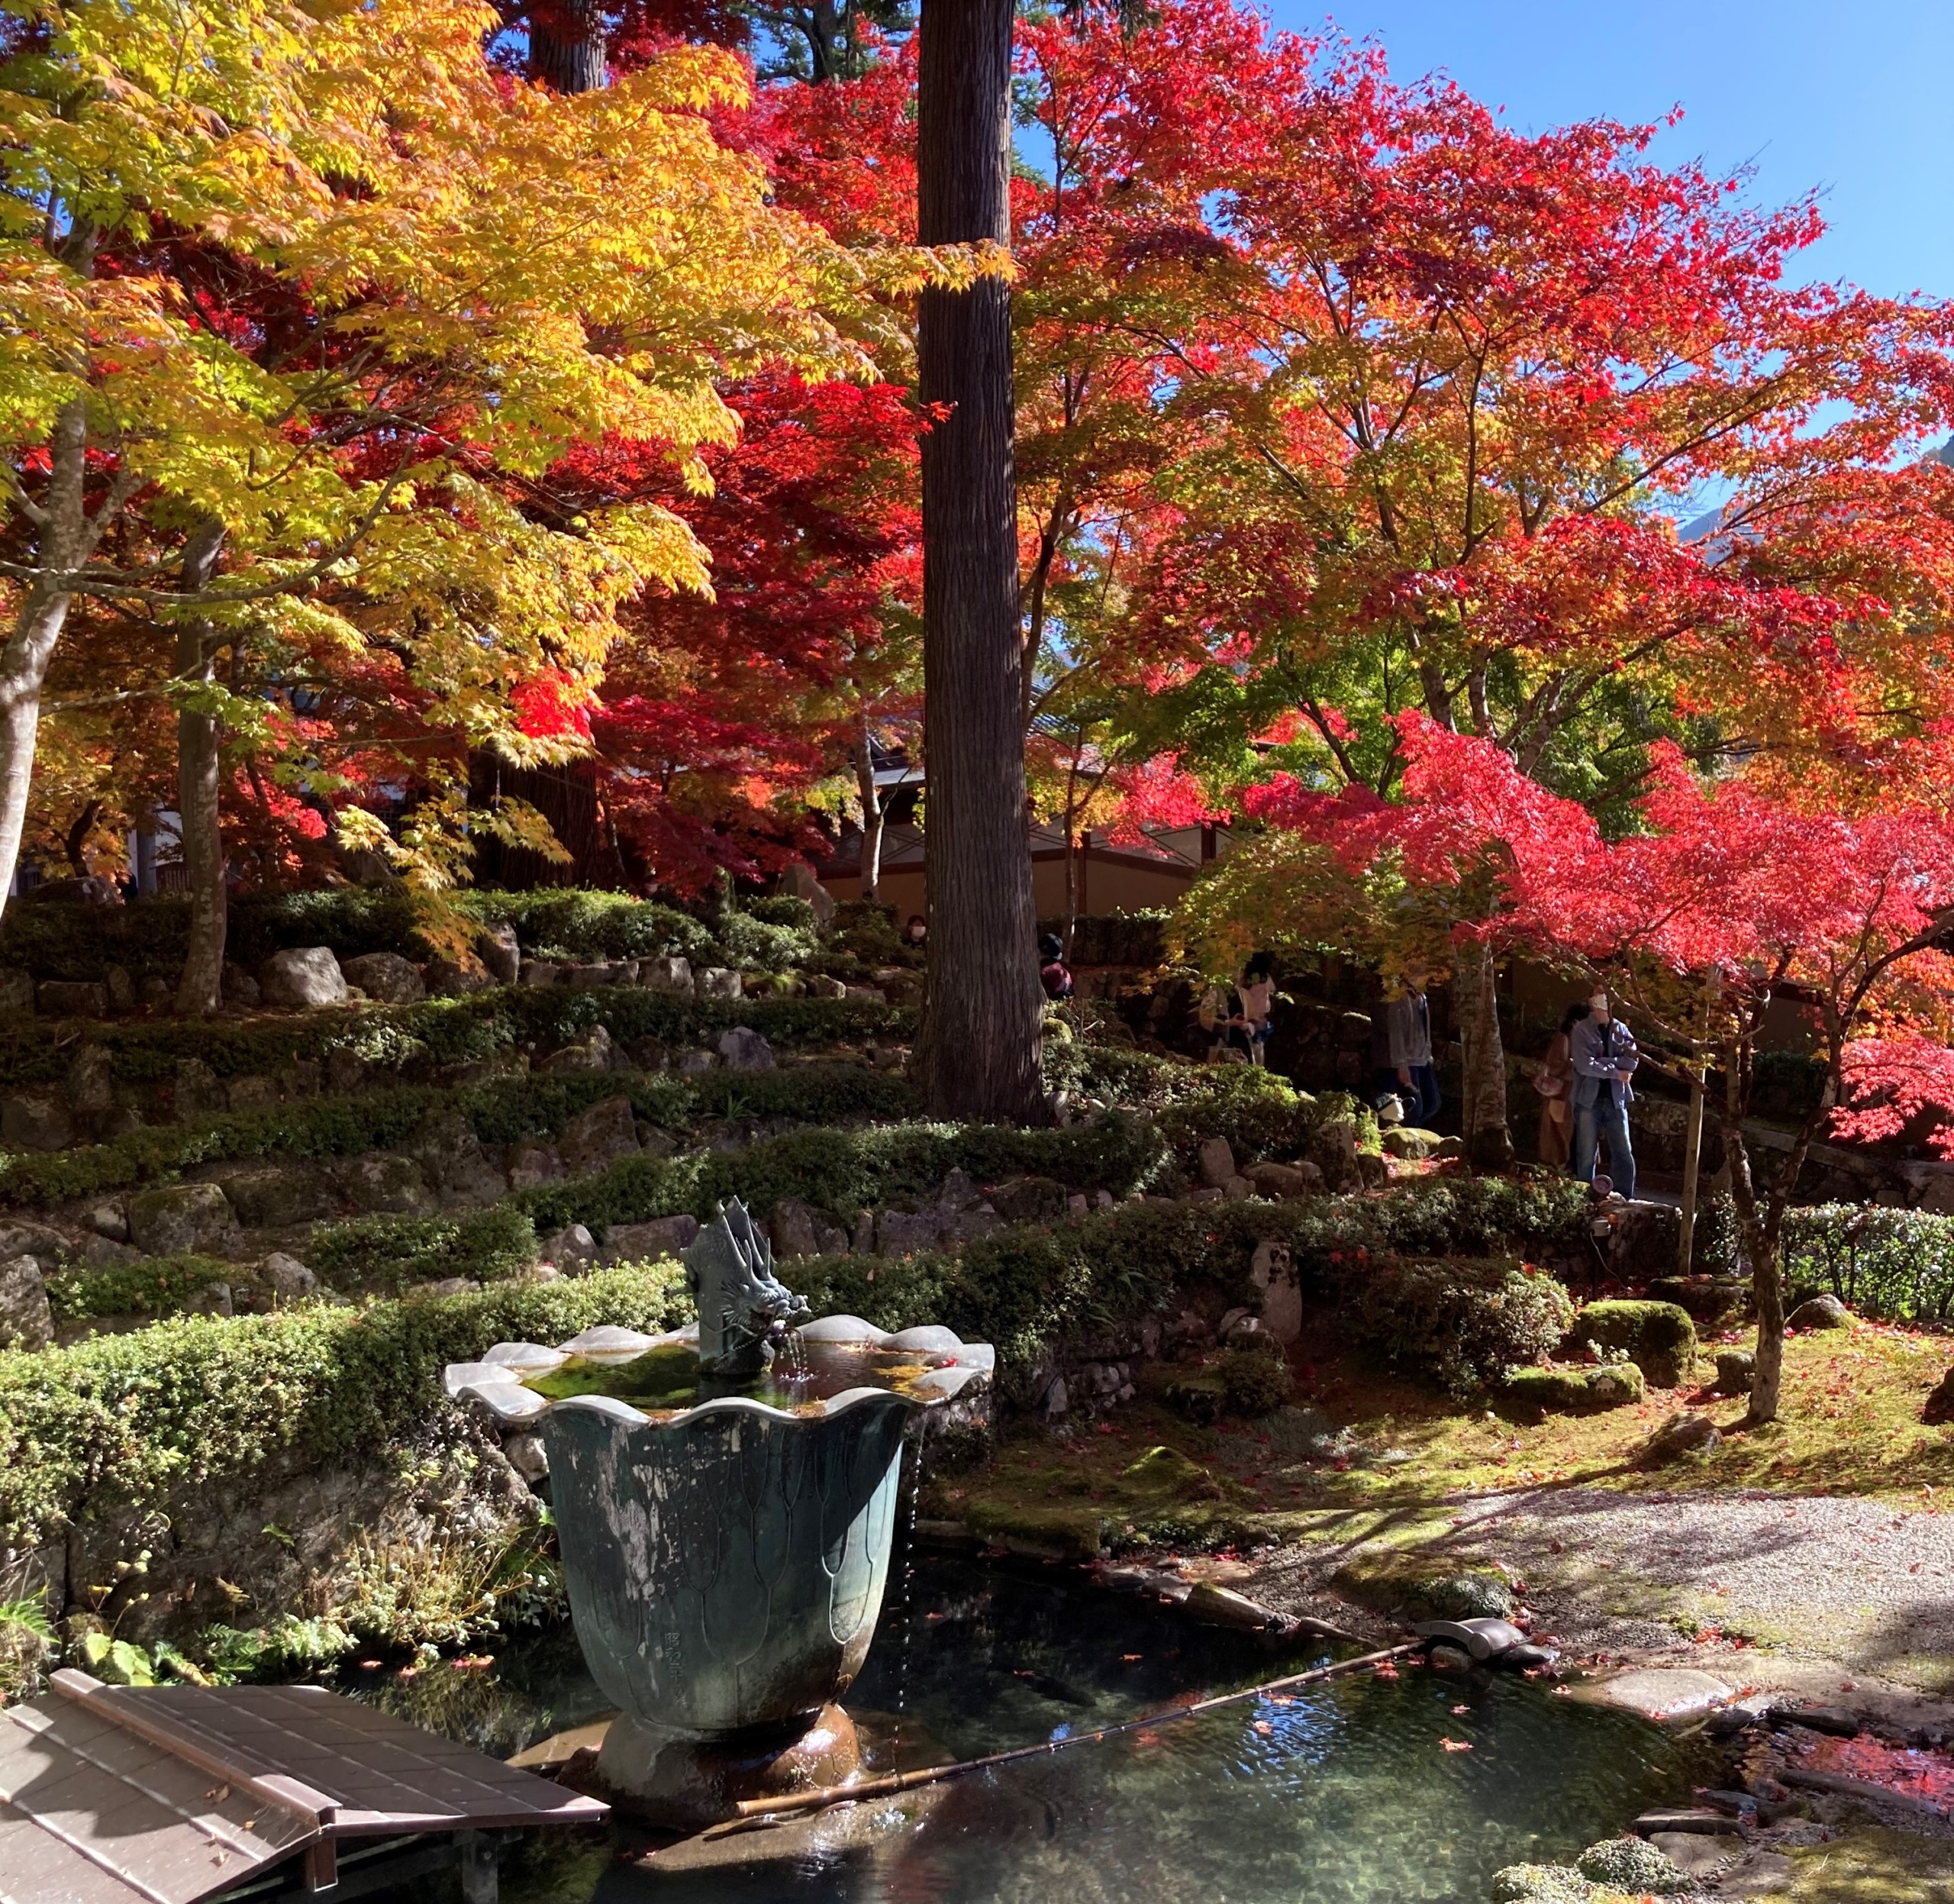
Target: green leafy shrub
134, 1424
1898, 1263
1461, 1321
1262, 1115
1256, 1384
1634, 1865
748, 942
386, 1252
569, 923
157, 1285
1659, 1337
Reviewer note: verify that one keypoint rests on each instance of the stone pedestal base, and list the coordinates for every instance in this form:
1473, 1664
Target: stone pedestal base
685, 1783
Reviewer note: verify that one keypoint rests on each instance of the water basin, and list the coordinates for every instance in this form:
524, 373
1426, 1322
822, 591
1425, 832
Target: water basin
664, 1381
1343, 1793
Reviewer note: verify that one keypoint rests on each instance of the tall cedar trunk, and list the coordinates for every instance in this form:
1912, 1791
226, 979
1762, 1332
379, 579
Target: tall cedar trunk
199, 751
567, 46
978, 1055
872, 815
37, 626
1488, 1142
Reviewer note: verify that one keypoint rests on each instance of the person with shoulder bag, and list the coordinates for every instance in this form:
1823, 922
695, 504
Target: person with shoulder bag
1604, 1054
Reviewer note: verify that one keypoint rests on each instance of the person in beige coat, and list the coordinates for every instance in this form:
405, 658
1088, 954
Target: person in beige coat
1555, 1081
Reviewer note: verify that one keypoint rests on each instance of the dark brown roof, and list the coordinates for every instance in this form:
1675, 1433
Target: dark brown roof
165, 1795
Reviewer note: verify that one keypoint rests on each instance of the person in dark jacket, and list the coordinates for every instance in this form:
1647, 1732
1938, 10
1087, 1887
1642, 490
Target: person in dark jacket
1053, 973
1604, 1054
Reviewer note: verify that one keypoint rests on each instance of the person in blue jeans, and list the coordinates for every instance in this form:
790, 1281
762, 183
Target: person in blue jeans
1408, 1069
1604, 1054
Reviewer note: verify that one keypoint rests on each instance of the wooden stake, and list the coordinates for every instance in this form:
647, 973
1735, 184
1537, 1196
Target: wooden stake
821, 1800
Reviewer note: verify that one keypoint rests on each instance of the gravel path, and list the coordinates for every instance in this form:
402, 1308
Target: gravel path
1839, 1578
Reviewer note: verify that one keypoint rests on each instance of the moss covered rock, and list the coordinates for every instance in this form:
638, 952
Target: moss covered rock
1659, 1337
1532, 1393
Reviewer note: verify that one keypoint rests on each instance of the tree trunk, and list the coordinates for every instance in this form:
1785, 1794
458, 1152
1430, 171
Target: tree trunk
199, 781
37, 626
1488, 1142
978, 1054
873, 821
1767, 1286
567, 49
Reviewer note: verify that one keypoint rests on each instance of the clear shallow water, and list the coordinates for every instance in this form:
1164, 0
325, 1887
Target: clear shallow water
1344, 1794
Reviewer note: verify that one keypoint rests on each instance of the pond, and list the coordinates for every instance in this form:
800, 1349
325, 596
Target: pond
1340, 1793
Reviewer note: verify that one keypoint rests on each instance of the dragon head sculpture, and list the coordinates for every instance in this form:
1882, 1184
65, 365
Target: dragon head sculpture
744, 1309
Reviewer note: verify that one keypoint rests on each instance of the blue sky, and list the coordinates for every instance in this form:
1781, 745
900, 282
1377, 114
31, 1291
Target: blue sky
1855, 99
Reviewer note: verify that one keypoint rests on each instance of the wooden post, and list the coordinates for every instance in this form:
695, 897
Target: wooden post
1692, 1165
480, 1881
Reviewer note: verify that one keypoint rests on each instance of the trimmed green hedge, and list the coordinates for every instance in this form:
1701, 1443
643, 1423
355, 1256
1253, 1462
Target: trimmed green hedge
157, 1285
1899, 1264
845, 1172
384, 1253
140, 1421
522, 1106
441, 1031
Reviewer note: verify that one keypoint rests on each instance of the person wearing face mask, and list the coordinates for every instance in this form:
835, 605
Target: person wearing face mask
1603, 1052
918, 931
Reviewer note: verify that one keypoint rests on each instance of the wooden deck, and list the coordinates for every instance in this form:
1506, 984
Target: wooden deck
169, 1795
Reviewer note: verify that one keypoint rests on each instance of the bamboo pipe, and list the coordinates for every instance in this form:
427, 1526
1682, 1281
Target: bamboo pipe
820, 1800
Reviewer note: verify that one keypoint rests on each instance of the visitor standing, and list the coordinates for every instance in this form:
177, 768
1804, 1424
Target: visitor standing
1408, 1070
1555, 1081
1053, 973
918, 931
1602, 1050
1254, 1005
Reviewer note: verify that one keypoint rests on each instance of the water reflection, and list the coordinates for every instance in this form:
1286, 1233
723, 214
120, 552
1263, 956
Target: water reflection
1342, 1793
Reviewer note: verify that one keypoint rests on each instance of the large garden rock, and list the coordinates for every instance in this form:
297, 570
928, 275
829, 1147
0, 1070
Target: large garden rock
36, 1121
302, 978
387, 977
906, 1232
285, 1278
1820, 1312
744, 1050
270, 1196
198, 1092
17, 992
798, 1228
1737, 1371
669, 973
533, 1162
1643, 1238
1217, 1163
74, 998
598, 1136
540, 974
447, 1149
572, 1249
385, 1181
177, 1217
717, 982
121, 985
47, 1246
253, 1091
641, 1242
1332, 1148
1681, 1434
799, 880
238, 990
1530, 1394
26, 1321
456, 978
599, 976
1279, 1180
1030, 1199
501, 954
820, 986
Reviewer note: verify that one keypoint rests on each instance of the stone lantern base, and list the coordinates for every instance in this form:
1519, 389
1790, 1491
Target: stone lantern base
684, 1784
